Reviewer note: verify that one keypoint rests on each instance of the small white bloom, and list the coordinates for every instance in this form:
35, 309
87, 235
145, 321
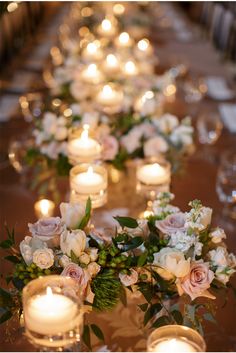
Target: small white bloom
166, 123
64, 261
73, 241
173, 261
84, 258
182, 135
217, 235
223, 274
93, 268
28, 246
43, 258
61, 133
154, 146
49, 123
219, 256
93, 253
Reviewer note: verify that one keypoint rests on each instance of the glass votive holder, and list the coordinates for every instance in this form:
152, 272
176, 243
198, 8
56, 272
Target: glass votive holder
175, 338
89, 180
82, 147
44, 208
153, 176
53, 312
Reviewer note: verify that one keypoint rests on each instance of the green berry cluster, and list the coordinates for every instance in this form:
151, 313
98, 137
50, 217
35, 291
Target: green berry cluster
151, 250
27, 273
112, 258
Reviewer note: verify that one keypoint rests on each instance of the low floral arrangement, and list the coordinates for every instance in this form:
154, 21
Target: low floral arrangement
127, 137
169, 255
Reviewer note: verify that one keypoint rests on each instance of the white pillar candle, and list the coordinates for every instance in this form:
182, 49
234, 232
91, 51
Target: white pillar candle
153, 174
174, 345
109, 96
44, 208
91, 74
130, 68
50, 314
124, 40
89, 182
84, 146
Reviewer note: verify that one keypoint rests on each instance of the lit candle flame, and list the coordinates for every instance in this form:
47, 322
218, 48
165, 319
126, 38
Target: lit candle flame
49, 292
130, 67
106, 25
124, 38
92, 48
90, 171
85, 132
143, 44
107, 90
111, 59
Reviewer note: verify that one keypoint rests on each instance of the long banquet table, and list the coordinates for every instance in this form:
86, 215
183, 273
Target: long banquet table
123, 330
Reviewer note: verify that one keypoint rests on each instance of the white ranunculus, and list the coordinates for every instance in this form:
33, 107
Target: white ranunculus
28, 246
219, 256
154, 146
84, 258
64, 261
72, 214
49, 123
43, 258
93, 268
166, 123
217, 235
73, 241
173, 261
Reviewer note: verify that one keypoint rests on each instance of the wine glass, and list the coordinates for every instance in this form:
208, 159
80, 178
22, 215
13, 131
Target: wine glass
209, 128
226, 183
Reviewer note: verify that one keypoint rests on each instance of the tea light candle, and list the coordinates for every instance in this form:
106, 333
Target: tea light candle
174, 345
50, 313
130, 68
89, 182
144, 47
124, 40
111, 64
109, 96
153, 174
84, 148
91, 74
107, 28
92, 51
44, 208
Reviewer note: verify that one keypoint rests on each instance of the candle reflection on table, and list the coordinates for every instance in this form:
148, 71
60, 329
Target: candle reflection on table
44, 208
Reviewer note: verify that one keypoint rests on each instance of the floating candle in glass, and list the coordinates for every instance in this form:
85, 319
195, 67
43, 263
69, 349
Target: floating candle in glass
91, 74
44, 208
175, 339
89, 180
124, 40
109, 96
83, 148
53, 311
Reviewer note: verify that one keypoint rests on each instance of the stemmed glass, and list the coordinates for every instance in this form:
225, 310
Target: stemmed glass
209, 128
226, 183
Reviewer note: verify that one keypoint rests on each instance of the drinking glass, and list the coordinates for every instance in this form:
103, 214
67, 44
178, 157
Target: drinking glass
209, 128
226, 183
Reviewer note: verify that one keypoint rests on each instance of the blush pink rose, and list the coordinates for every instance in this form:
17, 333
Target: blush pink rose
196, 283
172, 223
48, 230
77, 273
110, 147
129, 280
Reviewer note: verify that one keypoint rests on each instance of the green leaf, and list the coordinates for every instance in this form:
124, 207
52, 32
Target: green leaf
147, 290
126, 222
209, 317
177, 316
133, 243
5, 316
97, 331
142, 259
152, 311
143, 307
12, 258
5, 294
123, 296
161, 321
87, 215
6, 244
86, 337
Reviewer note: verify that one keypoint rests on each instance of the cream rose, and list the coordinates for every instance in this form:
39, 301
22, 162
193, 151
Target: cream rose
43, 258
93, 268
28, 247
172, 261
129, 280
72, 214
84, 258
171, 224
48, 230
73, 241
196, 283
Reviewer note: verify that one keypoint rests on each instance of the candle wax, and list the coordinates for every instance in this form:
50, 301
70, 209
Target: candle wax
152, 174
89, 182
174, 345
84, 147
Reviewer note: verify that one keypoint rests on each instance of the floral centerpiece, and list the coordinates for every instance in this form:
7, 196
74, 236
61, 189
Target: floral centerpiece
169, 255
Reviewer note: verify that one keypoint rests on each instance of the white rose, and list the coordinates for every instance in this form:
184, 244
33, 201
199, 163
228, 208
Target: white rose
129, 280
182, 135
28, 246
167, 123
84, 258
72, 214
93, 268
173, 261
217, 235
64, 261
43, 258
131, 141
73, 241
219, 256
51, 149
155, 146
